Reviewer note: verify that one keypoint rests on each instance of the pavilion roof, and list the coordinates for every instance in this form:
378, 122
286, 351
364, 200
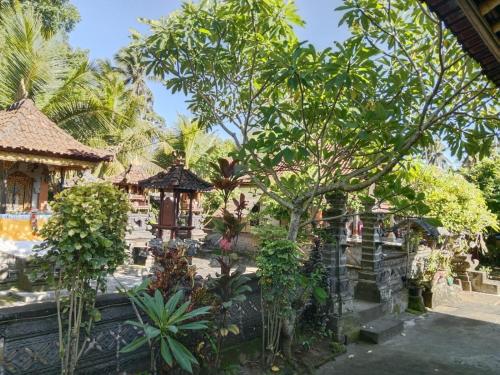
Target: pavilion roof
476, 24
132, 175
176, 178
24, 129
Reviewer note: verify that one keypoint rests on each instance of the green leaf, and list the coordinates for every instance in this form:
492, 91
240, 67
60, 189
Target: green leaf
134, 345
234, 329
178, 313
199, 325
173, 302
165, 353
204, 31
183, 356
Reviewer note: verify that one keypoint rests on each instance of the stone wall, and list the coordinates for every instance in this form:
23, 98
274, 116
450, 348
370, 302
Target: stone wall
393, 274
29, 343
14, 273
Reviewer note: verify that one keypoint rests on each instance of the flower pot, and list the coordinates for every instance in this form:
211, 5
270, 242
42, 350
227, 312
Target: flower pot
415, 291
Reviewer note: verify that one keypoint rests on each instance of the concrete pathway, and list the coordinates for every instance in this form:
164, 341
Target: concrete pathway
461, 338
127, 276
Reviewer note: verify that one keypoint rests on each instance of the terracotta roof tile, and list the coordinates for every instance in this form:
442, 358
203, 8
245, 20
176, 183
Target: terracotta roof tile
132, 175
25, 129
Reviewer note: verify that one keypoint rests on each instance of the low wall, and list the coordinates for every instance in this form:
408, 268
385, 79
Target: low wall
29, 343
394, 272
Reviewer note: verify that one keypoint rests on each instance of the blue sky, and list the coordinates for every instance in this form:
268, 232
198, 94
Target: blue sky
105, 24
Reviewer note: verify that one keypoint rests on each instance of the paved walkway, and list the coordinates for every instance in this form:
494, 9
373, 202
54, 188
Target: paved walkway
458, 339
126, 277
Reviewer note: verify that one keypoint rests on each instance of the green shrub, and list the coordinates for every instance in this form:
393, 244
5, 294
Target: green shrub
85, 240
168, 322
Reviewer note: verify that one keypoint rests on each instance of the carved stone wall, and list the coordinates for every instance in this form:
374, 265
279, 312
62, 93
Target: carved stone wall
29, 343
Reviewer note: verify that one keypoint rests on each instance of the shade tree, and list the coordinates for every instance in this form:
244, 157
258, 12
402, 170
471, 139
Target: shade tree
310, 122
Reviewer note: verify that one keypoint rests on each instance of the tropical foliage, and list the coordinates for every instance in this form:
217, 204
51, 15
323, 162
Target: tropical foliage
56, 15
450, 199
85, 241
101, 104
485, 174
193, 144
328, 120
168, 321
279, 264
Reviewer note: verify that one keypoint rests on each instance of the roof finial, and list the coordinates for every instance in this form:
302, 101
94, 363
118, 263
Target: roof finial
179, 160
21, 93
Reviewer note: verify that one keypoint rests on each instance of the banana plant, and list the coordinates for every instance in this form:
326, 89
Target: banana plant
167, 320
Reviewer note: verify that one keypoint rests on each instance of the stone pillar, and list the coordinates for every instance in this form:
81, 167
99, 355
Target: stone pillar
370, 285
340, 302
355, 227
4, 173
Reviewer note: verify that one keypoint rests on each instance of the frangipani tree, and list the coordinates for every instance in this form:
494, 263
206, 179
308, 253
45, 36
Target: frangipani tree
336, 120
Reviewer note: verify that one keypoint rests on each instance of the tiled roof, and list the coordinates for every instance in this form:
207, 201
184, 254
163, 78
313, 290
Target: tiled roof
25, 129
178, 178
131, 176
476, 24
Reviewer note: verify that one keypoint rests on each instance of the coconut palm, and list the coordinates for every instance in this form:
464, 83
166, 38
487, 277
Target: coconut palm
434, 154
189, 141
130, 63
96, 104
133, 136
45, 69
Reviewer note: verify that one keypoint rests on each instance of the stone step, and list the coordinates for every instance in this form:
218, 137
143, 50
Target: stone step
481, 283
131, 270
380, 330
368, 311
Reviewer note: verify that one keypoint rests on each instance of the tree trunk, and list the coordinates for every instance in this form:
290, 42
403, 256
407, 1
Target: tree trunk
294, 226
288, 329
287, 333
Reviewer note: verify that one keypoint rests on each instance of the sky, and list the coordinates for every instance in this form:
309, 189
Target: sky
105, 27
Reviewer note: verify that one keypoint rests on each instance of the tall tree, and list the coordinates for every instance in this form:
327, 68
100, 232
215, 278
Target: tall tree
45, 69
193, 143
130, 62
132, 136
56, 15
435, 154
337, 120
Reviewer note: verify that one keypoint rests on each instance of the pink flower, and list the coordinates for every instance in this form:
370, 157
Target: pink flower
225, 244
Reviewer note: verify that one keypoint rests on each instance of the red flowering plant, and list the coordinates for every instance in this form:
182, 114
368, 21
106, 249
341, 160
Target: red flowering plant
226, 179
228, 288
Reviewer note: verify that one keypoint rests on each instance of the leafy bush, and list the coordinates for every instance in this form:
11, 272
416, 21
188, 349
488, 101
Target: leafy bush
450, 199
85, 240
172, 272
168, 321
228, 290
279, 264
486, 175
269, 233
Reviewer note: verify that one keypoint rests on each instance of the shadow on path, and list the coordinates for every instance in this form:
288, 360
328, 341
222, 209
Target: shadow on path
460, 338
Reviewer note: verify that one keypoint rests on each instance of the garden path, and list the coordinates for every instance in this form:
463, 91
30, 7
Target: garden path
462, 337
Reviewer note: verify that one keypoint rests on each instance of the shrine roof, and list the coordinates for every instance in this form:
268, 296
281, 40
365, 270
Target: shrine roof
176, 178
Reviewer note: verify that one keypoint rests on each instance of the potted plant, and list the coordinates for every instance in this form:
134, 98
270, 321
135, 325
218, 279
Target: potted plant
415, 290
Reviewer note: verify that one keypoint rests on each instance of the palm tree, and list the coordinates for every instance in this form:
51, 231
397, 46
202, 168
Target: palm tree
45, 69
189, 140
99, 105
133, 136
434, 154
130, 63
